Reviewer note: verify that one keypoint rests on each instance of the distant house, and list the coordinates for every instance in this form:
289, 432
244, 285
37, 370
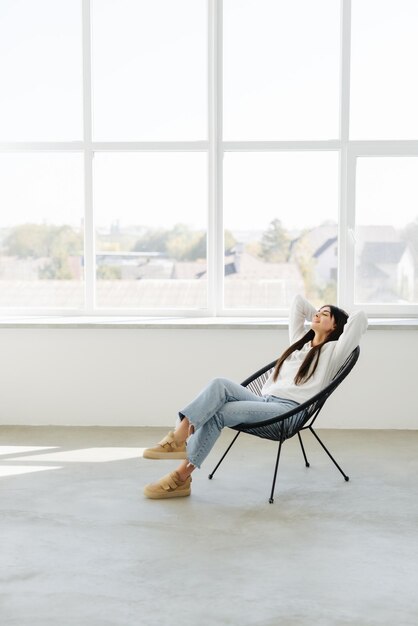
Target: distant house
326, 258
250, 282
320, 244
137, 265
151, 280
385, 270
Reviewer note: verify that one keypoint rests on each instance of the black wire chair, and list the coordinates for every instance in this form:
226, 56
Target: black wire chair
294, 421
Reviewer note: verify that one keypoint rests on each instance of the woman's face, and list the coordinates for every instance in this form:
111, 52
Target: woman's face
322, 321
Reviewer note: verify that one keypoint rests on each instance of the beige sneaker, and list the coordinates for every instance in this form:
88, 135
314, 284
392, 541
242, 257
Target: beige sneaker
168, 448
169, 486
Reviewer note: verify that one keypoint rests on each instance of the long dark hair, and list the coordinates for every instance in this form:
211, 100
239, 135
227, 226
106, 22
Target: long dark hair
306, 370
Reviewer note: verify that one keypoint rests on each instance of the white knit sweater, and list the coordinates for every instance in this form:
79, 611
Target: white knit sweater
333, 354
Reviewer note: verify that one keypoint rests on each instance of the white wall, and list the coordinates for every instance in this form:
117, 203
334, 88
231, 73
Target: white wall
141, 377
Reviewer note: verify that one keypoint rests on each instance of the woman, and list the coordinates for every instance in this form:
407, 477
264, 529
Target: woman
305, 368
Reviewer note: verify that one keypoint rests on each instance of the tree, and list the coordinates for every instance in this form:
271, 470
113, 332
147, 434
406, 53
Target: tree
199, 248
153, 240
27, 240
275, 243
56, 269
302, 255
40, 240
55, 243
179, 243
230, 240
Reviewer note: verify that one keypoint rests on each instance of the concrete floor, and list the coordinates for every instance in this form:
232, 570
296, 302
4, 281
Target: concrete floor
80, 545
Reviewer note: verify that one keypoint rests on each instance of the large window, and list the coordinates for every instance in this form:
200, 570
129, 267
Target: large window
208, 157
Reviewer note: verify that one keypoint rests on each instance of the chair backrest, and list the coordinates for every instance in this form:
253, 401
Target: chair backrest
281, 427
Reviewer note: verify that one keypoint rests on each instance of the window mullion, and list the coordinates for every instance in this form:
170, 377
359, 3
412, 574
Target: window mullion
346, 177
215, 221
89, 254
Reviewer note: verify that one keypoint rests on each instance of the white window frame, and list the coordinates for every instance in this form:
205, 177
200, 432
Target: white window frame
215, 148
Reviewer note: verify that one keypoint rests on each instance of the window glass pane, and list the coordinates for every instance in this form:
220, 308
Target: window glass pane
151, 213
149, 69
41, 230
280, 228
40, 70
386, 230
384, 50
281, 69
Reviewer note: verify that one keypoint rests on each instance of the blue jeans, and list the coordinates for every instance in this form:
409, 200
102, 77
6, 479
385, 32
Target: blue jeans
225, 403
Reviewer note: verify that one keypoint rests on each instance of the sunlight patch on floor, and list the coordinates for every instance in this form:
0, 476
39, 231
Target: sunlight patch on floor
87, 455
14, 470
4, 450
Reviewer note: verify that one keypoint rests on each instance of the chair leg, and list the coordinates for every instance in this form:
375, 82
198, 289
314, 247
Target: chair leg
227, 450
329, 454
303, 450
271, 500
